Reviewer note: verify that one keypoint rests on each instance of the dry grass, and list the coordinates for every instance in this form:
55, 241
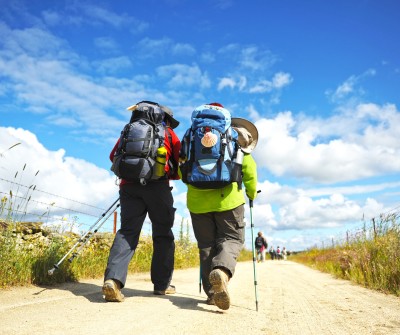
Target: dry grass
373, 263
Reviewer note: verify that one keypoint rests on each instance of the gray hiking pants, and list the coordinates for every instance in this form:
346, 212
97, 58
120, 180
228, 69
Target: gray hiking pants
154, 199
220, 238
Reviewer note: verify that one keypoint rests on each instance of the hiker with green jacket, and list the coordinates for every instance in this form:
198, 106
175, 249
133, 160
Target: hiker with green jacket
218, 220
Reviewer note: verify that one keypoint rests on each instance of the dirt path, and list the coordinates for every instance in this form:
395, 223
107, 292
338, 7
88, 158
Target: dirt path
292, 299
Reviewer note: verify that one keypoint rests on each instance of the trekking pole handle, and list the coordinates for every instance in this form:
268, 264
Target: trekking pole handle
251, 200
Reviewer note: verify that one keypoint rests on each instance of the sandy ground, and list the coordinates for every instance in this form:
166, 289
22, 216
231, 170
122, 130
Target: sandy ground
292, 299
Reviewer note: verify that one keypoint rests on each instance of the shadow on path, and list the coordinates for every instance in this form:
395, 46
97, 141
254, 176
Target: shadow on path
93, 294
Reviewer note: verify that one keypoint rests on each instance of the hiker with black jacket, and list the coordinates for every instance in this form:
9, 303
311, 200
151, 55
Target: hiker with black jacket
261, 246
139, 198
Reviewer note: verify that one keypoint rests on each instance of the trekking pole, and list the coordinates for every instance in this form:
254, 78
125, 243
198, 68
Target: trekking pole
89, 236
84, 238
200, 279
254, 254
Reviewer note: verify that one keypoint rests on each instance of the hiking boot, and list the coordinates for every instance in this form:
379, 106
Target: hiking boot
219, 281
210, 300
169, 290
112, 291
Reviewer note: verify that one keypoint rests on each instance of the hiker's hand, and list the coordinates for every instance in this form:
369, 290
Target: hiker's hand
250, 197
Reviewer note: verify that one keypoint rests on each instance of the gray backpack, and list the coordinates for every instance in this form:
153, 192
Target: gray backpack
135, 157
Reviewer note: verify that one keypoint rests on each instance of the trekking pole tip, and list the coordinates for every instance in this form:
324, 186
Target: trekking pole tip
51, 271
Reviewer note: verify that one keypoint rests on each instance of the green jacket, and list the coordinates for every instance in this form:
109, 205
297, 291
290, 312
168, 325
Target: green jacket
219, 200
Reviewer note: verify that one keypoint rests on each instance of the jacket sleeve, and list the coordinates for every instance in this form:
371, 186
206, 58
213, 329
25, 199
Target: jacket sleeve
112, 153
249, 170
173, 153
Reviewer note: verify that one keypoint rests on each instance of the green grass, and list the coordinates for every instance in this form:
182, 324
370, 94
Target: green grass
28, 262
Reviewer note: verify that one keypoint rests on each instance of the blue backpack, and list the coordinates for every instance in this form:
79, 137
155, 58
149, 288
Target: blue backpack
209, 148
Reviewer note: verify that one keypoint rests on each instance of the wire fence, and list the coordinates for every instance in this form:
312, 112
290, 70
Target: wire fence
370, 230
23, 203
28, 203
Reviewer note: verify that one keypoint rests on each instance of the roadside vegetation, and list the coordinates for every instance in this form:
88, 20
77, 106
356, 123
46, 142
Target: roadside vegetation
26, 256
28, 252
370, 259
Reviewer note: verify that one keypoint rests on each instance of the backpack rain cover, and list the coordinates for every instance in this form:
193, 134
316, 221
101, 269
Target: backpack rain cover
209, 167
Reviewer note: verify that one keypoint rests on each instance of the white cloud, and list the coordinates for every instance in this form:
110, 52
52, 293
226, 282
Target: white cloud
151, 48
183, 49
53, 173
246, 59
261, 86
349, 86
106, 44
208, 57
303, 209
99, 15
281, 80
232, 82
278, 81
353, 189
226, 82
52, 18
63, 121
264, 216
252, 58
113, 65
33, 41
181, 75
253, 113
242, 82
302, 152
44, 79
223, 4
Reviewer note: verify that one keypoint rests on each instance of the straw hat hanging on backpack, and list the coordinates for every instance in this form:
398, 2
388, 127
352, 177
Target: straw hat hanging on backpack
247, 134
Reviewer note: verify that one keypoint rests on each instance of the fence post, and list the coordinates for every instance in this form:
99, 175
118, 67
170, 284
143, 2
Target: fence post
373, 223
115, 223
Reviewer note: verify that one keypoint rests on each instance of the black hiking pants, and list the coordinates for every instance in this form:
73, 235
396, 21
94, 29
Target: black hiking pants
154, 199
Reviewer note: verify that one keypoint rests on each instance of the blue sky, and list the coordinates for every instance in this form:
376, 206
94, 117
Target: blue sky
319, 79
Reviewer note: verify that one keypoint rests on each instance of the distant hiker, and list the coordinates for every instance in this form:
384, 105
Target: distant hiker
278, 253
284, 253
261, 246
145, 159
215, 199
272, 253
